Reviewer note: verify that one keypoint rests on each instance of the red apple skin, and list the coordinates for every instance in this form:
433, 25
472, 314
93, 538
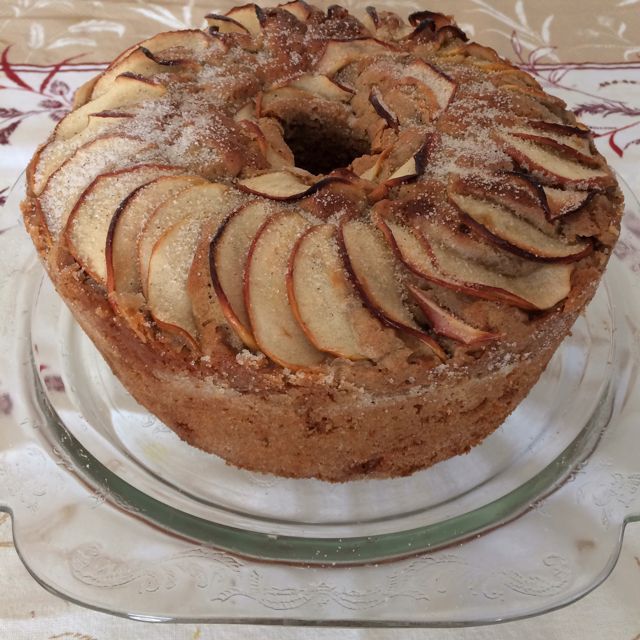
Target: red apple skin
518, 251
243, 332
446, 324
524, 160
559, 148
544, 203
377, 102
164, 63
108, 253
453, 31
560, 129
223, 18
485, 292
374, 309
373, 14
179, 332
137, 76
298, 196
421, 158
581, 205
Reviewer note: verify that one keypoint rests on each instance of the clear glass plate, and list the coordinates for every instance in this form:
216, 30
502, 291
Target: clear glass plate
113, 511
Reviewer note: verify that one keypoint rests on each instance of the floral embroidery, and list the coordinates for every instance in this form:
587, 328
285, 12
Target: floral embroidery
56, 97
599, 106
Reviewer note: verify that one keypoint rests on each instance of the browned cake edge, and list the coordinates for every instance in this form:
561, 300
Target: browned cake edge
299, 431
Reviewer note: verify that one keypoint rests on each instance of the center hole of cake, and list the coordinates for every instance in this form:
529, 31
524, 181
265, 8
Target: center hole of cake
320, 145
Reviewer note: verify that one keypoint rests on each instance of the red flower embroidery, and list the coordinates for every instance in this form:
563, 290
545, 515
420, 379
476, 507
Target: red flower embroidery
56, 93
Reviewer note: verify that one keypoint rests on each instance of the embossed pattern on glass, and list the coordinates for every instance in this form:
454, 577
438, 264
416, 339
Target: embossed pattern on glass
129, 533
106, 516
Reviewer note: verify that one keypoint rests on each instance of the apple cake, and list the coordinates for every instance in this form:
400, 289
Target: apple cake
321, 245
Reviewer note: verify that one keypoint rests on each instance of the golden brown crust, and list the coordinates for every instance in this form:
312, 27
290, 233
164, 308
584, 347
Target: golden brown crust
297, 430
344, 420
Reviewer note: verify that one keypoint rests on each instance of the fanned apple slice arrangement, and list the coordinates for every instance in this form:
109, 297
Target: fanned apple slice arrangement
248, 261
295, 288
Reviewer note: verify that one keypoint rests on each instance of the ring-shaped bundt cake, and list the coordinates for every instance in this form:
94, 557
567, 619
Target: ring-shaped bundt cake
323, 246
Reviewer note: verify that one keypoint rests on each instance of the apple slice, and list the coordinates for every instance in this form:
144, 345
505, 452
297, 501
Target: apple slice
208, 197
339, 53
125, 91
211, 323
297, 8
253, 131
227, 261
66, 184
382, 108
561, 202
249, 16
374, 170
51, 157
167, 296
83, 93
278, 155
274, 325
553, 145
552, 105
321, 296
284, 185
405, 172
322, 86
508, 189
541, 289
374, 270
194, 41
140, 63
524, 196
88, 224
577, 138
171, 259
440, 84
371, 19
551, 167
446, 324
269, 103
123, 274
509, 231
225, 24
247, 112
166, 64
414, 166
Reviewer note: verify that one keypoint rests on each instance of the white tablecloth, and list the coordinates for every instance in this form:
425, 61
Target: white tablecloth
607, 94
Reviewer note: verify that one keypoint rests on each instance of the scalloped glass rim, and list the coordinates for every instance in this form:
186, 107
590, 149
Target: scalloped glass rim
73, 477
329, 550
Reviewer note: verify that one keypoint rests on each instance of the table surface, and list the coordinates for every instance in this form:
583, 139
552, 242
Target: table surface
586, 51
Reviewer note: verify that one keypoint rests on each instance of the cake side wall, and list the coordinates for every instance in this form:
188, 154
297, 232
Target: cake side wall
316, 431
